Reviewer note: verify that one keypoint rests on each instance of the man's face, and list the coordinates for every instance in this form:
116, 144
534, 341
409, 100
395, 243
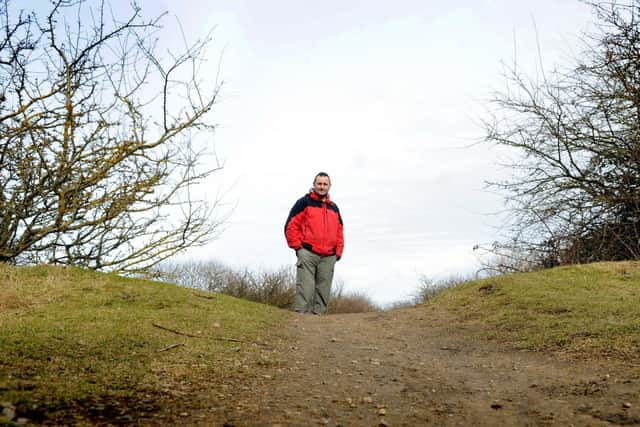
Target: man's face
321, 186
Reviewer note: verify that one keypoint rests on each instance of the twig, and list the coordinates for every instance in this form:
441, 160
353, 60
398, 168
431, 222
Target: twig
204, 296
174, 331
171, 346
227, 339
200, 336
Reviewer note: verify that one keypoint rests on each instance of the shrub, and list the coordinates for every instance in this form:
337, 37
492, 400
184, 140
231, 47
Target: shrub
275, 288
354, 302
349, 302
429, 288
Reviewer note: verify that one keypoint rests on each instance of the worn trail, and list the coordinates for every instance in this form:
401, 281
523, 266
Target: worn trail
415, 367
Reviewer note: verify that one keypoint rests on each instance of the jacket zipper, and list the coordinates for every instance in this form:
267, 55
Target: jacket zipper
324, 224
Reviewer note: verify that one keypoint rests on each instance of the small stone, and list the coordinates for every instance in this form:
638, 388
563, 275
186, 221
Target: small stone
626, 405
184, 414
333, 340
496, 406
8, 411
367, 399
383, 423
382, 412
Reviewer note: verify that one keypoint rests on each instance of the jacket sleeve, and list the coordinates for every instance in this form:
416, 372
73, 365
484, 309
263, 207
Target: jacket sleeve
293, 226
340, 239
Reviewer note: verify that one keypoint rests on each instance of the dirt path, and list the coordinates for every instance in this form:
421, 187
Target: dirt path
412, 368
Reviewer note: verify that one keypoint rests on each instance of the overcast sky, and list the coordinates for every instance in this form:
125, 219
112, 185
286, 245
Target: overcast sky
386, 97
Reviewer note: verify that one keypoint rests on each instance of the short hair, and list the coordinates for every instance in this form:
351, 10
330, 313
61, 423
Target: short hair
321, 174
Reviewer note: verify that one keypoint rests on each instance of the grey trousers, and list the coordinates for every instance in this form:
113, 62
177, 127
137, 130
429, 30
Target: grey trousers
314, 274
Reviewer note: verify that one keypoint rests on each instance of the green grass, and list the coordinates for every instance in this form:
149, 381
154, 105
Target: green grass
79, 347
592, 309
72, 338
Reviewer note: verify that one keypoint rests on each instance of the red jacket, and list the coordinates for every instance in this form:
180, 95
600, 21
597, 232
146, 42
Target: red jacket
315, 225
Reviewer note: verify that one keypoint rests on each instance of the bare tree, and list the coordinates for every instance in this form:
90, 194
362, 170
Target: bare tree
98, 158
575, 193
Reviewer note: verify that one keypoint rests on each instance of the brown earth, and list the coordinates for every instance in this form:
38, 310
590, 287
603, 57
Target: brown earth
415, 367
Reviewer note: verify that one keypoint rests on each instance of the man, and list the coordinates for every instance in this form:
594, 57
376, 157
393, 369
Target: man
314, 230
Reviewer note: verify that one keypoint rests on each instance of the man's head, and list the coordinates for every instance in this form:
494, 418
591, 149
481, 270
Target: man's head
322, 184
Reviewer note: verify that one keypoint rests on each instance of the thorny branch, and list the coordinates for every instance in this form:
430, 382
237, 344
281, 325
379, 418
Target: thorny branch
88, 175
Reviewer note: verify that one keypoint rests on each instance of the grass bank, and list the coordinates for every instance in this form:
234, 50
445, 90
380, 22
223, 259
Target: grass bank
85, 348
80, 347
592, 309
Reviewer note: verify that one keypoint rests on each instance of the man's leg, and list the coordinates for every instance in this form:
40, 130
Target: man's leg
324, 276
305, 280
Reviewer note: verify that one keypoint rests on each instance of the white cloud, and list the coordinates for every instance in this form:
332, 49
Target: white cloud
381, 95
